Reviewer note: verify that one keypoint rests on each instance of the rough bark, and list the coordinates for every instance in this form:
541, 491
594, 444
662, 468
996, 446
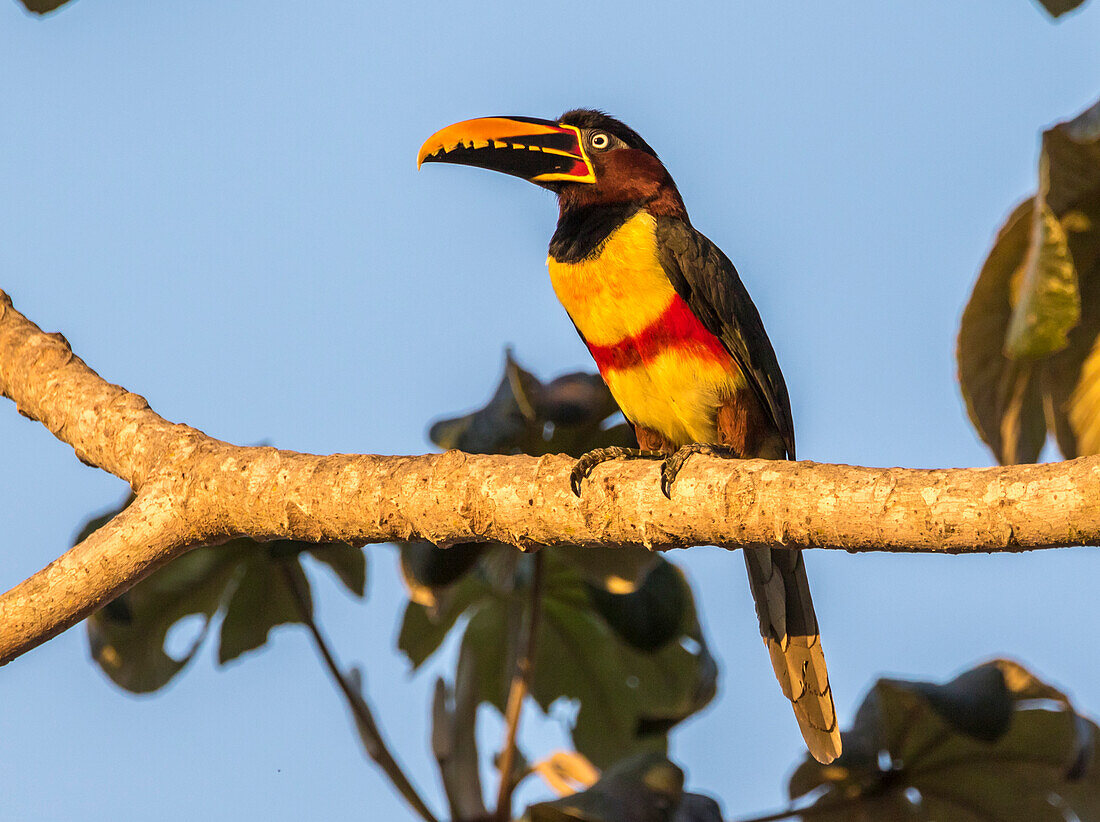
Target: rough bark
194, 490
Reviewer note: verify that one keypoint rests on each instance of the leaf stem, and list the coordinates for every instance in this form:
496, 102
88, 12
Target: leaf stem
373, 742
806, 812
521, 681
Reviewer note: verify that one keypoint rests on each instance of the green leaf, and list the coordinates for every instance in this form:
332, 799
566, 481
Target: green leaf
994, 743
1071, 378
245, 577
127, 636
629, 699
1002, 395
262, 601
1028, 334
1049, 304
1059, 7
423, 628
651, 616
1070, 162
485, 642
346, 561
427, 568
641, 788
620, 570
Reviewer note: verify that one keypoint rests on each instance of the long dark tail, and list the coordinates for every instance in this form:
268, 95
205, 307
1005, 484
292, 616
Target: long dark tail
788, 624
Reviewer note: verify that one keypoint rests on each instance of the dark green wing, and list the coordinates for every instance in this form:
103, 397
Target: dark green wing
707, 281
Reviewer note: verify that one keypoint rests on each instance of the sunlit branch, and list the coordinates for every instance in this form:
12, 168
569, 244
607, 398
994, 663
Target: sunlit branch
195, 490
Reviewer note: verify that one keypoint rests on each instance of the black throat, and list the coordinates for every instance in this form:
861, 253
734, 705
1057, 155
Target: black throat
582, 230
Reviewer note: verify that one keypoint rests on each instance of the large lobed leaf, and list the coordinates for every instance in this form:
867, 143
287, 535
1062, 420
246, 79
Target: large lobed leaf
1027, 337
995, 743
246, 580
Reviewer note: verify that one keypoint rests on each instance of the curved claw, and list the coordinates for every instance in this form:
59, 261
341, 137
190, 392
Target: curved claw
583, 466
576, 477
668, 476
671, 467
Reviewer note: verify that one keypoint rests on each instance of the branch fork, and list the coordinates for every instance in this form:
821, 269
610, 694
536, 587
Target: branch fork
192, 490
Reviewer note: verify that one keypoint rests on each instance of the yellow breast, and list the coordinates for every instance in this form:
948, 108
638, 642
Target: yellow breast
622, 290
672, 385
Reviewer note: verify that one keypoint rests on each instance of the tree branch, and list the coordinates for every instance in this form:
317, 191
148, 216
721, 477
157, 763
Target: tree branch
196, 490
134, 543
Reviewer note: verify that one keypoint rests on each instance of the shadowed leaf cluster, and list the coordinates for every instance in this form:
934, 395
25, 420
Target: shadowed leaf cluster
244, 580
634, 680
1027, 353
995, 744
619, 632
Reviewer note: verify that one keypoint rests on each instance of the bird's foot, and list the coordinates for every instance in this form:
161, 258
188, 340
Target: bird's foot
583, 467
670, 468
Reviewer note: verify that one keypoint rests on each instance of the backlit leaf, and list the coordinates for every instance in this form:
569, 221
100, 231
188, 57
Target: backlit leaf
566, 772
1002, 395
1071, 378
1030, 327
1049, 304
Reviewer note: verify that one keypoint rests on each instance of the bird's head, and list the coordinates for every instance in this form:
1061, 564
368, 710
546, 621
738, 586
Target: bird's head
586, 157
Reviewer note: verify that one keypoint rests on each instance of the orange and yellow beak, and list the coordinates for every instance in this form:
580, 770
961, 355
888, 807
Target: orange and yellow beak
540, 151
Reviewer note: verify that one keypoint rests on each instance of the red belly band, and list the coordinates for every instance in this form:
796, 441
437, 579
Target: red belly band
676, 328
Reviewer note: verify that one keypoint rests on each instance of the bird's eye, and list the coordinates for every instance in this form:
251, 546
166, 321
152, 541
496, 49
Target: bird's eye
599, 140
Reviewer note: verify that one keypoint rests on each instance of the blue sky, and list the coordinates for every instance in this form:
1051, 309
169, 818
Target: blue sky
217, 203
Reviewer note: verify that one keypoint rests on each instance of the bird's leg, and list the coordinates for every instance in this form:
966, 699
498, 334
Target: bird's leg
583, 467
670, 468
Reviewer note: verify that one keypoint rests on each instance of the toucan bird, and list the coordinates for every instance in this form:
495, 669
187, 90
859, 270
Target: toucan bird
675, 336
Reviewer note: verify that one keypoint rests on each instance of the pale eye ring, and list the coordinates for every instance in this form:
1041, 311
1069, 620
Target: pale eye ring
599, 140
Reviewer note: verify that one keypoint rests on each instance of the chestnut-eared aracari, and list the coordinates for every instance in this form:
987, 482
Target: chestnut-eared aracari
675, 336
